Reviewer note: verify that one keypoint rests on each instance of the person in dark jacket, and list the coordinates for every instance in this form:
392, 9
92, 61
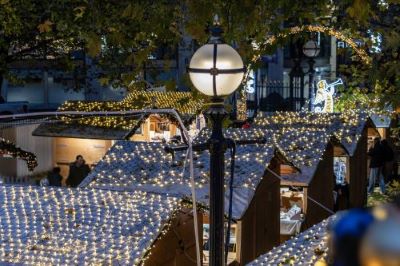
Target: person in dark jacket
78, 170
377, 161
388, 156
54, 177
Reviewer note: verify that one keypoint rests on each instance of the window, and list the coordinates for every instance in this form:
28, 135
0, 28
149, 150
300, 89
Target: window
340, 169
162, 127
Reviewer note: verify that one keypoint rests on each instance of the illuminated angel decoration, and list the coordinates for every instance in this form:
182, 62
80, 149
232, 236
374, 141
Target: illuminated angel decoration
325, 94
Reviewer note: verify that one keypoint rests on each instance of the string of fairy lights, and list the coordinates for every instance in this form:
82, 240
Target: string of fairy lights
307, 248
8, 149
303, 136
271, 40
182, 102
146, 167
132, 165
59, 226
129, 166
322, 29
320, 245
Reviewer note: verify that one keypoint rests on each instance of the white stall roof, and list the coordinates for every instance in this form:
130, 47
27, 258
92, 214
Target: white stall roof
60, 226
304, 249
132, 166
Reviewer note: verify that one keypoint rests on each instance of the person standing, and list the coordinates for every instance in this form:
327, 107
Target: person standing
388, 156
78, 170
54, 177
376, 165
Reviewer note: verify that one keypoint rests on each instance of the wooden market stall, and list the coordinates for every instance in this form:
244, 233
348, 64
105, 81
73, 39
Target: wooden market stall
307, 184
92, 136
351, 130
356, 131
312, 190
137, 127
132, 166
329, 163
92, 226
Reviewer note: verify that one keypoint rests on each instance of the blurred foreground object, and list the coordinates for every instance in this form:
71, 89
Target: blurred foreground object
381, 243
367, 237
347, 233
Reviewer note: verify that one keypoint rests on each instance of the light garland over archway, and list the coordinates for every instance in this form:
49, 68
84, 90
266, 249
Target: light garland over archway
322, 29
361, 53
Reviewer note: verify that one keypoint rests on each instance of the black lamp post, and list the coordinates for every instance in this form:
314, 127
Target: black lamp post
217, 70
311, 50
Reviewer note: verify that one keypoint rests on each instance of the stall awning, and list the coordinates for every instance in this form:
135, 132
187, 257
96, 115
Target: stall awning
108, 128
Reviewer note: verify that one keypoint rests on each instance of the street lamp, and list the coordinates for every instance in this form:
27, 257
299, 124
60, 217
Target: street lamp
216, 70
311, 50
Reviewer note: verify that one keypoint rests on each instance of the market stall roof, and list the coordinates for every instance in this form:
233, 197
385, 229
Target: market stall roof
10, 150
304, 149
302, 137
60, 226
132, 166
304, 249
119, 127
298, 146
381, 121
73, 127
347, 127
239, 135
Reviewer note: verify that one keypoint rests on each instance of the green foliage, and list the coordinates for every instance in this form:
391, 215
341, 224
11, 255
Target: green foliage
381, 18
250, 21
360, 11
121, 35
93, 44
353, 98
377, 198
392, 191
